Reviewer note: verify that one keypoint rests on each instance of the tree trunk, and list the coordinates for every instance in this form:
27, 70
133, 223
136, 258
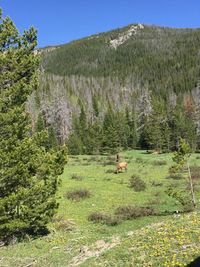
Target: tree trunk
191, 186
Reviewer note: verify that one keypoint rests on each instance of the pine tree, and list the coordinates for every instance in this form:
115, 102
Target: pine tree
40, 125
111, 140
131, 129
94, 138
53, 141
28, 172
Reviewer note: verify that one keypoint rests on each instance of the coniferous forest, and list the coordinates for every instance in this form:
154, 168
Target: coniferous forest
143, 93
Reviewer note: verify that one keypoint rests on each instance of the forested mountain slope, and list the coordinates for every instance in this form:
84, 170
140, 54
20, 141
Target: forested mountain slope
116, 85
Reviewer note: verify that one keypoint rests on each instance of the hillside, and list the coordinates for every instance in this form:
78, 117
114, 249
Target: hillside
163, 239
150, 54
136, 68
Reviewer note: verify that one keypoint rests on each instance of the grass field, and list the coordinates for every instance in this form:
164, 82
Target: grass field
74, 239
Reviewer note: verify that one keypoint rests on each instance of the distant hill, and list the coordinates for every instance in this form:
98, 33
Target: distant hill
165, 58
119, 68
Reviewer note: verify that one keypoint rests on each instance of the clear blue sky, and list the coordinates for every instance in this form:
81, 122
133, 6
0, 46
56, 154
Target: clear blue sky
60, 21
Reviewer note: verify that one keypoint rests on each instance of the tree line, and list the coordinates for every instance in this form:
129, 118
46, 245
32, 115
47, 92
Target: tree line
157, 127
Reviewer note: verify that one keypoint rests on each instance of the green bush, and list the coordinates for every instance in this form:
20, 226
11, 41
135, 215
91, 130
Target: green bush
175, 176
159, 162
181, 196
137, 183
77, 177
156, 183
132, 212
78, 194
104, 218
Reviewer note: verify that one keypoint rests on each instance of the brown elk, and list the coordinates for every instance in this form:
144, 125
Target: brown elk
121, 166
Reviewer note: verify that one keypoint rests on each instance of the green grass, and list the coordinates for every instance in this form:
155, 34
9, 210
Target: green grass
71, 229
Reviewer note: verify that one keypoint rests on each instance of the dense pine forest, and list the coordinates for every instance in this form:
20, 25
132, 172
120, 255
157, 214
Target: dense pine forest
135, 87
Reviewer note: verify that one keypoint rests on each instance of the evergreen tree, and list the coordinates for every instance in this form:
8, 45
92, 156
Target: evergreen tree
40, 125
95, 105
111, 140
28, 171
94, 138
83, 128
53, 141
131, 129
74, 144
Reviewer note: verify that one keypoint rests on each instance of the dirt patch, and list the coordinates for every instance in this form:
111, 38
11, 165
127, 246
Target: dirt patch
95, 250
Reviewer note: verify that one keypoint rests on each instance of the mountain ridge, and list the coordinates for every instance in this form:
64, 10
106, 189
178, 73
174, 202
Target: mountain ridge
110, 30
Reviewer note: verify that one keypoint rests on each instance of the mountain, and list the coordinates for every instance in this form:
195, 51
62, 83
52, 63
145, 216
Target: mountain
135, 68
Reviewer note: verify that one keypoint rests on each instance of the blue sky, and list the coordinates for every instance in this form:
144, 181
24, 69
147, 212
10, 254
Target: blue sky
60, 21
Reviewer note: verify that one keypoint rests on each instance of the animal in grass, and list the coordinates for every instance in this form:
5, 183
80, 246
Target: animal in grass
121, 166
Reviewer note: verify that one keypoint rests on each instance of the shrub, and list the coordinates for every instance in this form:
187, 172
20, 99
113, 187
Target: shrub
137, 183
113, 220
76, 177
132, 212
181, 197
156, 201
78, 194
159, 162
74, 157
86, 164
175, 176
155, 183
97, 217
104, 218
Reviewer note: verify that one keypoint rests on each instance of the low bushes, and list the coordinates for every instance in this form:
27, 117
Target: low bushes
132, 212
104, 218
137, 183
159, 162
122, 213
86, 163
77, 177
78, 194
156, 183
175, 176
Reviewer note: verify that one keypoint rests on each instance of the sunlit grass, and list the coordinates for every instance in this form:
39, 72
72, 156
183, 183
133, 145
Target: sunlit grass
108, 191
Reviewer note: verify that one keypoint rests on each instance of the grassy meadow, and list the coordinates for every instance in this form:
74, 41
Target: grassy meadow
90, 186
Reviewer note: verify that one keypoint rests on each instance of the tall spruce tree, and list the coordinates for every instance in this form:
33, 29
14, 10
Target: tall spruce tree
111, 139
28, 171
